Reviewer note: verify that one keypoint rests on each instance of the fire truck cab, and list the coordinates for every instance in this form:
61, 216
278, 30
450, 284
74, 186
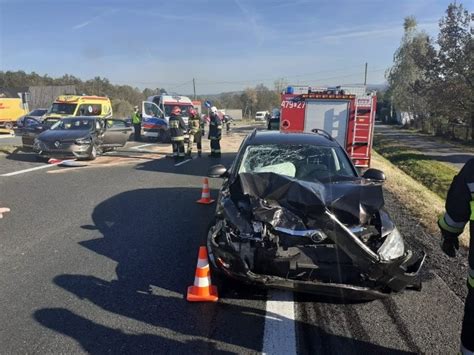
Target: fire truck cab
346, 113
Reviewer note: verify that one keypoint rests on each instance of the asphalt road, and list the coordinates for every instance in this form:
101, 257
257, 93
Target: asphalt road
440, 151
97, 259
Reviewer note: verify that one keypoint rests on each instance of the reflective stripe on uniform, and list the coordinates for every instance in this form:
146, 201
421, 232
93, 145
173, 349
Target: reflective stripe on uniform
180, 138
453, 227
472, 210
451, 222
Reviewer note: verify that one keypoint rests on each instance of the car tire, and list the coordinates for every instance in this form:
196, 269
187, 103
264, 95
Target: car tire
9, 125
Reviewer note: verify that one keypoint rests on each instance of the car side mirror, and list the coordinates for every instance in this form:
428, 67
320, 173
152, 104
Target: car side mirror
374, 174
218, 171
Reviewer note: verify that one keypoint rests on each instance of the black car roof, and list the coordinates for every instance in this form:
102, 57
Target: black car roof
277, 137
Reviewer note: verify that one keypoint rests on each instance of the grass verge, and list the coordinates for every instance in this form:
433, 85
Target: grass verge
420, 201
435, 175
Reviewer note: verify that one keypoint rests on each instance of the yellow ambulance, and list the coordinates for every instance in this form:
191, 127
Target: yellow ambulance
77, 105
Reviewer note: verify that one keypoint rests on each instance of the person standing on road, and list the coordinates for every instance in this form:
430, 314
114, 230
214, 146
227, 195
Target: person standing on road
215, 133
460, 210
137, 124
195, 132
177, 129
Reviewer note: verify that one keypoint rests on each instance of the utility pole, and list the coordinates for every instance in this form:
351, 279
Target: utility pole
365, 75
194, 88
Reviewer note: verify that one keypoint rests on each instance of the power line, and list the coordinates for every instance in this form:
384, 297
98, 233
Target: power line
276, 78
172, 86
247, 81
307, 79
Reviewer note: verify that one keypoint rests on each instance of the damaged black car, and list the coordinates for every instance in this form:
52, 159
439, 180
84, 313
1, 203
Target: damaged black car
294, 213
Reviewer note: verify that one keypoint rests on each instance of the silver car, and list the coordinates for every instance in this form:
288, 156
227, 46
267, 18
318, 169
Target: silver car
82, 137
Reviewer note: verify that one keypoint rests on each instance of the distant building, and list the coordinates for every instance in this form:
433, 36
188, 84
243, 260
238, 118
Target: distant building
236, 114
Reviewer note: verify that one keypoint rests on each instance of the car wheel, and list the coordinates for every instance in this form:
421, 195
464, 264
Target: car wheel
9, 125
93, 153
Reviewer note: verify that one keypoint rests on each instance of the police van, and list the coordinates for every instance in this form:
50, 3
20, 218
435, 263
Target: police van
156, 111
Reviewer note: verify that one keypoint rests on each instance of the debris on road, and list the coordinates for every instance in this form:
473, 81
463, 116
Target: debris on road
3, 210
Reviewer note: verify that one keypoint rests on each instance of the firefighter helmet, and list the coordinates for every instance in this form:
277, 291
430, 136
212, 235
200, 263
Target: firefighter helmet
176, 111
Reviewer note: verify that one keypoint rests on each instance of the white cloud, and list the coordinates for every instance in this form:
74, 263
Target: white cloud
84, 24
92, 19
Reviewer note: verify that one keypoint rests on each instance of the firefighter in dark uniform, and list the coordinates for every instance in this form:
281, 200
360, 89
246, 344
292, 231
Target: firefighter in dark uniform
177, 129
460, 210
195, 132
215, 133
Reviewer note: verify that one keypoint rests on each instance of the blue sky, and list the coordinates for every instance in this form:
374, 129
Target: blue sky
225, 44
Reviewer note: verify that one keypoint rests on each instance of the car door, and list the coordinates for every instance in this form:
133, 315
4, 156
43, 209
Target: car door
150, 109
29, 131
116, 133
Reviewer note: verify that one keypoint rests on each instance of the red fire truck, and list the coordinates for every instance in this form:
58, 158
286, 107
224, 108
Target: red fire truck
346, 113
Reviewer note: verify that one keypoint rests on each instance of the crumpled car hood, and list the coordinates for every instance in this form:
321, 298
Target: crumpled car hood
306, 198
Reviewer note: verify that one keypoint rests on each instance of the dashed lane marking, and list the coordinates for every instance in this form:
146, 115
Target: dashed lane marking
279, 335
183, 162
141, 146
33, 169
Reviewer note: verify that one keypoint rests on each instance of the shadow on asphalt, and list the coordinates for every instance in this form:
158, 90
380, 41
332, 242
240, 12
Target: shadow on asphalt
156, 251
21, 155
196, 167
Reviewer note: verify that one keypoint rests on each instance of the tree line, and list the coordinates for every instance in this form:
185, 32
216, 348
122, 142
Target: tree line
250, 100
433, 79
124, 97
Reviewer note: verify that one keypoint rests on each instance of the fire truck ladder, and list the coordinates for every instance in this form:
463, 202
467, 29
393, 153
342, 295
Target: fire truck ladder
361, 123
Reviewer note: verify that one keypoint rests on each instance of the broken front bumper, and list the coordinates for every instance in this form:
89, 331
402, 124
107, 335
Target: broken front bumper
385, 277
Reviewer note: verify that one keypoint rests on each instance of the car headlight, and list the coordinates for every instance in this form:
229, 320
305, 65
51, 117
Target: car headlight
83, 141
393, 246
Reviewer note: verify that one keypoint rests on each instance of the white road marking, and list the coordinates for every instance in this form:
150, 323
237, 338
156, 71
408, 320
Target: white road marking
33, 169
279, 336
183, 162
141, 146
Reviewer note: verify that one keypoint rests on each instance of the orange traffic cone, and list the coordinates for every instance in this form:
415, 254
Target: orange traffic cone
206, 194
202, 290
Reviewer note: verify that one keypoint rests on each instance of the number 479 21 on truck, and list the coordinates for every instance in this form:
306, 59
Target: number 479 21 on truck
346, 113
